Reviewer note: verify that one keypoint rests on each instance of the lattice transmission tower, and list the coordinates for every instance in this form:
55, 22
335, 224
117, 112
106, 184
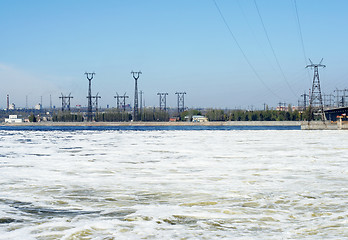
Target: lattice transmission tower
66, 101
316, 101
163, 101
89, 97
136, 76
181, 101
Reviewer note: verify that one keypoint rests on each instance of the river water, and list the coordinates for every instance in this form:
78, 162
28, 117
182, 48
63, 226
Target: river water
170, 184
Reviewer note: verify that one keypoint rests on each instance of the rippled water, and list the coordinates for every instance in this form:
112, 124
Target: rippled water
263, 184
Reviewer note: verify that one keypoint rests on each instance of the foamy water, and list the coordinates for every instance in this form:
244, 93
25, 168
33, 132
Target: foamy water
173, 184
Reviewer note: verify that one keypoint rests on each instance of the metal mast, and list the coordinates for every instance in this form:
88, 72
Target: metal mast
135, 111
316, 100
163, 101
89, 97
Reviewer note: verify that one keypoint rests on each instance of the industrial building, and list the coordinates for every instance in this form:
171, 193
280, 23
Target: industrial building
13, 119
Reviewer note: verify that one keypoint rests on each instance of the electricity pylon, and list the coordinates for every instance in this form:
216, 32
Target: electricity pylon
316, 100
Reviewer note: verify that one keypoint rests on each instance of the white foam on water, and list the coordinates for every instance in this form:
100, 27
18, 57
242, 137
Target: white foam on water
173, 184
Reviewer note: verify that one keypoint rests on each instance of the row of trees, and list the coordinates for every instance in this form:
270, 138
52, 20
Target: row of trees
152, 114
268, 115
67, 117
112, 115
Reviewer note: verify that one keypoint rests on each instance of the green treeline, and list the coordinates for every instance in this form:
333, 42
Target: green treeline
157, 115
153, 115
147, 115
243, 115
113, 115
67, 117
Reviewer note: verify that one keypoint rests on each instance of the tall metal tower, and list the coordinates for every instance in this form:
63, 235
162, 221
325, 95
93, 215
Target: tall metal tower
163, 101
89, 97
181, 101
135, 111
316, 100
66, 101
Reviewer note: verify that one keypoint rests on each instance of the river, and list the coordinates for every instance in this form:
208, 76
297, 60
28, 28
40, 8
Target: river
173, 183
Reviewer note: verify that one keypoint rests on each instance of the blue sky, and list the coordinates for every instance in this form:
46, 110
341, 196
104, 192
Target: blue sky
181, 45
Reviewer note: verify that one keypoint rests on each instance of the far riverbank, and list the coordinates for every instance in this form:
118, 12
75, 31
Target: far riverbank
227, 123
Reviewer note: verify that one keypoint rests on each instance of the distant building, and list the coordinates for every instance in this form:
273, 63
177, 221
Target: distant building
38, 106
199, 118
285, 108
13, 119
11, 106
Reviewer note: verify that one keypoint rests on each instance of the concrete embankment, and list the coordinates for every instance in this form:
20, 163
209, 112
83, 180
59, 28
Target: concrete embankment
228, 123
318, 125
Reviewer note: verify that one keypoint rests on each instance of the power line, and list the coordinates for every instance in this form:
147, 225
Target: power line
243, 53
301, 38
300, 31
254, 35
271, 46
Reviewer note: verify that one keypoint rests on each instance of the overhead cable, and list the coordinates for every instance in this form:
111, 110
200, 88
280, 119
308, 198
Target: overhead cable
301, 38
274, 54
241, 50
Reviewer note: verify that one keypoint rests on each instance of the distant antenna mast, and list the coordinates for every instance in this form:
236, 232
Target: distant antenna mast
316, 100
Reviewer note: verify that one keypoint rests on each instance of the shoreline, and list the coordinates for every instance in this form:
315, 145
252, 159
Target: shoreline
162, 124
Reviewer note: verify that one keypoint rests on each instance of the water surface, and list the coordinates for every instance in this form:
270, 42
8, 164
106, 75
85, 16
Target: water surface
170, 184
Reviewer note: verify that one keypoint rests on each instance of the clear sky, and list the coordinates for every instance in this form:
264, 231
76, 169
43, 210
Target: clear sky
236, 59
